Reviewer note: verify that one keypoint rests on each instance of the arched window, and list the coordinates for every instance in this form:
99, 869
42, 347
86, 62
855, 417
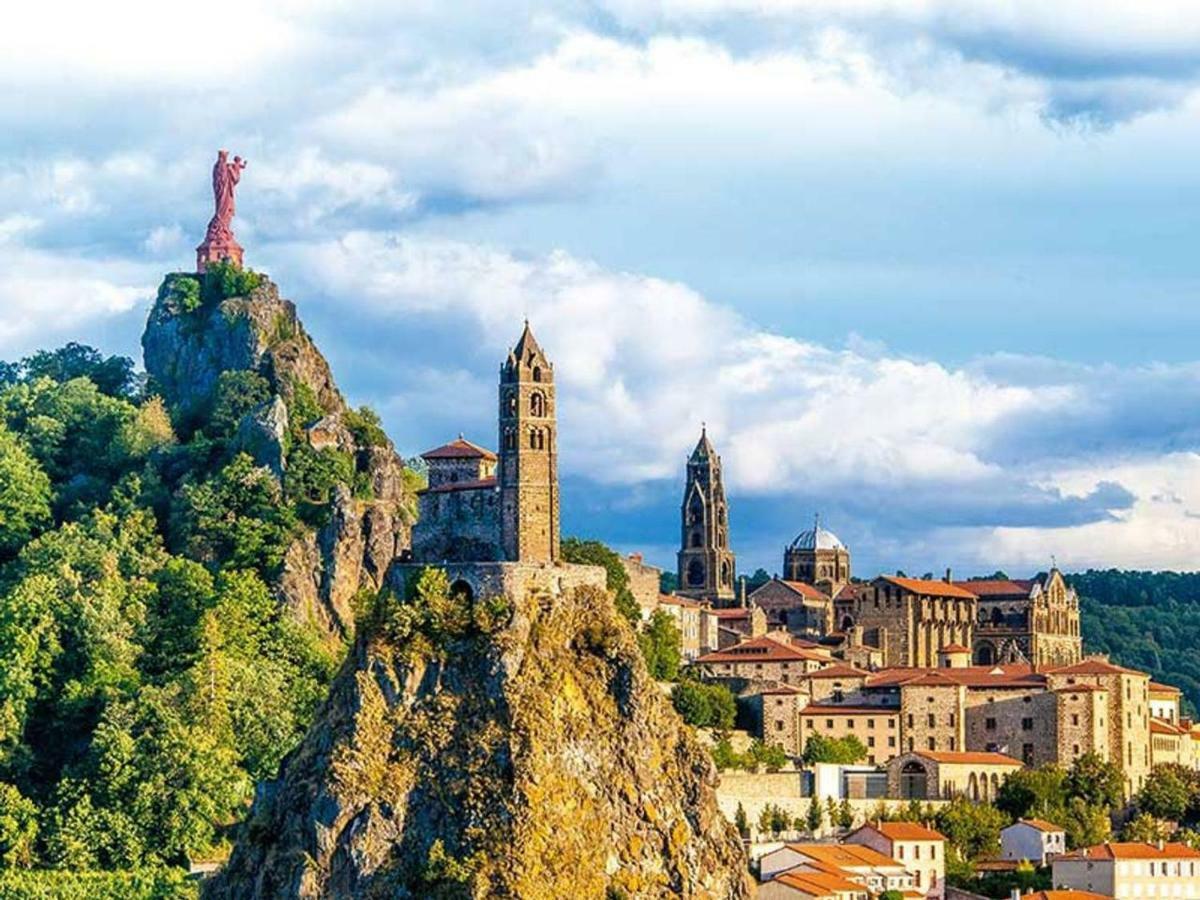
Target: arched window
510, 403
510, 439
847, 623
696, 541
914, 782
726, 573
462, 590
537, 373
985, 655
537, 405
695, 573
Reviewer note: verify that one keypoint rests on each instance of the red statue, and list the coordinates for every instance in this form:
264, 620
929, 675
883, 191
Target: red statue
219, 242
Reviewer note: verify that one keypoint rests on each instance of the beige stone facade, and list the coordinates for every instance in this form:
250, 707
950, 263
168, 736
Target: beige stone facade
932, 711
921, 850
796, 606
909, 619
687, 615
645, 583
528, 465
459, 511
1034, 620
1131, 871
877, 727
768, 660
943, 775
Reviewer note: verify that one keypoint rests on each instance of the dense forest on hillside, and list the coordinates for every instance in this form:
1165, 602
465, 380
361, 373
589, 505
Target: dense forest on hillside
1145, 620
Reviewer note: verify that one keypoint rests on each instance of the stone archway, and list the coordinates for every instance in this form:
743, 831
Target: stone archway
914, 781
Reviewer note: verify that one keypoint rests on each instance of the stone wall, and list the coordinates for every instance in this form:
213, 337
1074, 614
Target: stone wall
1018, 723
457, 525
513, 579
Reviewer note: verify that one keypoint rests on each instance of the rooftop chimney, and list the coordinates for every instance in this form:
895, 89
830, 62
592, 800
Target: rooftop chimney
949, 575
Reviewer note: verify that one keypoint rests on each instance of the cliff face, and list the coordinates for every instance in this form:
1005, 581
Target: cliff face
187, 347
523, 752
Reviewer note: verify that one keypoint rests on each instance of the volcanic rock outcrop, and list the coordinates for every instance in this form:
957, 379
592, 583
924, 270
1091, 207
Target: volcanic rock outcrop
496, 748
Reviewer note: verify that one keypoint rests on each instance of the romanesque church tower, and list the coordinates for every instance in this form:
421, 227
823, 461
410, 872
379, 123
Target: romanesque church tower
528, 470
706, 564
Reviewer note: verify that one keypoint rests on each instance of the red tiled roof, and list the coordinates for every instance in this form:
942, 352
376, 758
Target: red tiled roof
905, 831
1039, 824
1083, 688
1132, 850
1159, 688
805, 590
1013, 675
731, 613
843, 855
676, 600
450, 486
998, 587
762, 649
1158, 726
1064, 895
933, 678
930, 586
819, 884
971, 757
838, 671
460, 448
955, 648
1094, 666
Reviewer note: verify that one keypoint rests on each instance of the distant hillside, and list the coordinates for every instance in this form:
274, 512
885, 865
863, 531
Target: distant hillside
1145, 620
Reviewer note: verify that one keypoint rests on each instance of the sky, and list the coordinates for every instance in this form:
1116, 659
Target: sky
927, 268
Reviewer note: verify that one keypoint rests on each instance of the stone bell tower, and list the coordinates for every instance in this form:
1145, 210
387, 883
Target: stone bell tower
528, 469
706, 564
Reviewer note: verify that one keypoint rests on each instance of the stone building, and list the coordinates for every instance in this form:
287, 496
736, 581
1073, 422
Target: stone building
645, 583
1127, 712
818, 558
767, 660
908, 619
706, 564
1026, 620
1127, 870
796, 606
528, 469
945, 774
459, 512
492, 520
919, 849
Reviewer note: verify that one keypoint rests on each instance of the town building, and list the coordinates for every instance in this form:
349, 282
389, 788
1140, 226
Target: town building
866, 868
768, 660
818, 558
944, 774
645, 583
1126, 871
687, 615
812, 884
1033, 620
1033, 840
909, 619
1164, 702
920, 850
706, 563
492, 519
796, 606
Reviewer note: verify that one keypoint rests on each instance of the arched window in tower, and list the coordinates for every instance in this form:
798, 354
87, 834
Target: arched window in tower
537, 405
696, 539
726, 573
510, 403
695, 573
510, 439
696, 513
537, 373
721, 539
721, 516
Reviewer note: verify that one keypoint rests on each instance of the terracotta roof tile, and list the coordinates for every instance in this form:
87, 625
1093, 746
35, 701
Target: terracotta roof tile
1039, 824
1094, 666
1158, 726
836, 709
929, 586
762, 649
676, 600
905, 831
838, 671
971, 757
955, 648
845, 855
1159, 688
1064, 895
1132, 850
819, 884
805, 590
1015, 675
460, 448
997, 587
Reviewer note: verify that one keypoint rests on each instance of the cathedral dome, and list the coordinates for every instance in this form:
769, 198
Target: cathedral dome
817, 538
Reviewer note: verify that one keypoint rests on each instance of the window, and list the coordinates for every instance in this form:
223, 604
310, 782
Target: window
989, 724
891, 741
870, 740
1074, 718
910, 720
932, 742
779, 726
850, 723
931, 720
811, 724
1027, 754
1027, 724
829, 723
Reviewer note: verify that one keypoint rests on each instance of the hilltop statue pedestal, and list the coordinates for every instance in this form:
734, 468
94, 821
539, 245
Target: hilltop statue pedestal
219, 243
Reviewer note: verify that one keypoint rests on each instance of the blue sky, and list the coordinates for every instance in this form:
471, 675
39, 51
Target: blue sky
927, 267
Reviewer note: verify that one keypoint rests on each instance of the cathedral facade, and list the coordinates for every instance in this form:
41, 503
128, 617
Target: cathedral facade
706, 564
1032, 620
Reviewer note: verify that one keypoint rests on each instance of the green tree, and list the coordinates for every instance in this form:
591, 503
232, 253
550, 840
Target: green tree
770, 756
844, 750
705, 705
1085, 825
845, 815
1036, 793
1145, 828
594, 553
740, 822
1168, 792
973, 828
661, 646
1096, 780
814, 816
113, 375
24, 495
18, 828
238, 391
